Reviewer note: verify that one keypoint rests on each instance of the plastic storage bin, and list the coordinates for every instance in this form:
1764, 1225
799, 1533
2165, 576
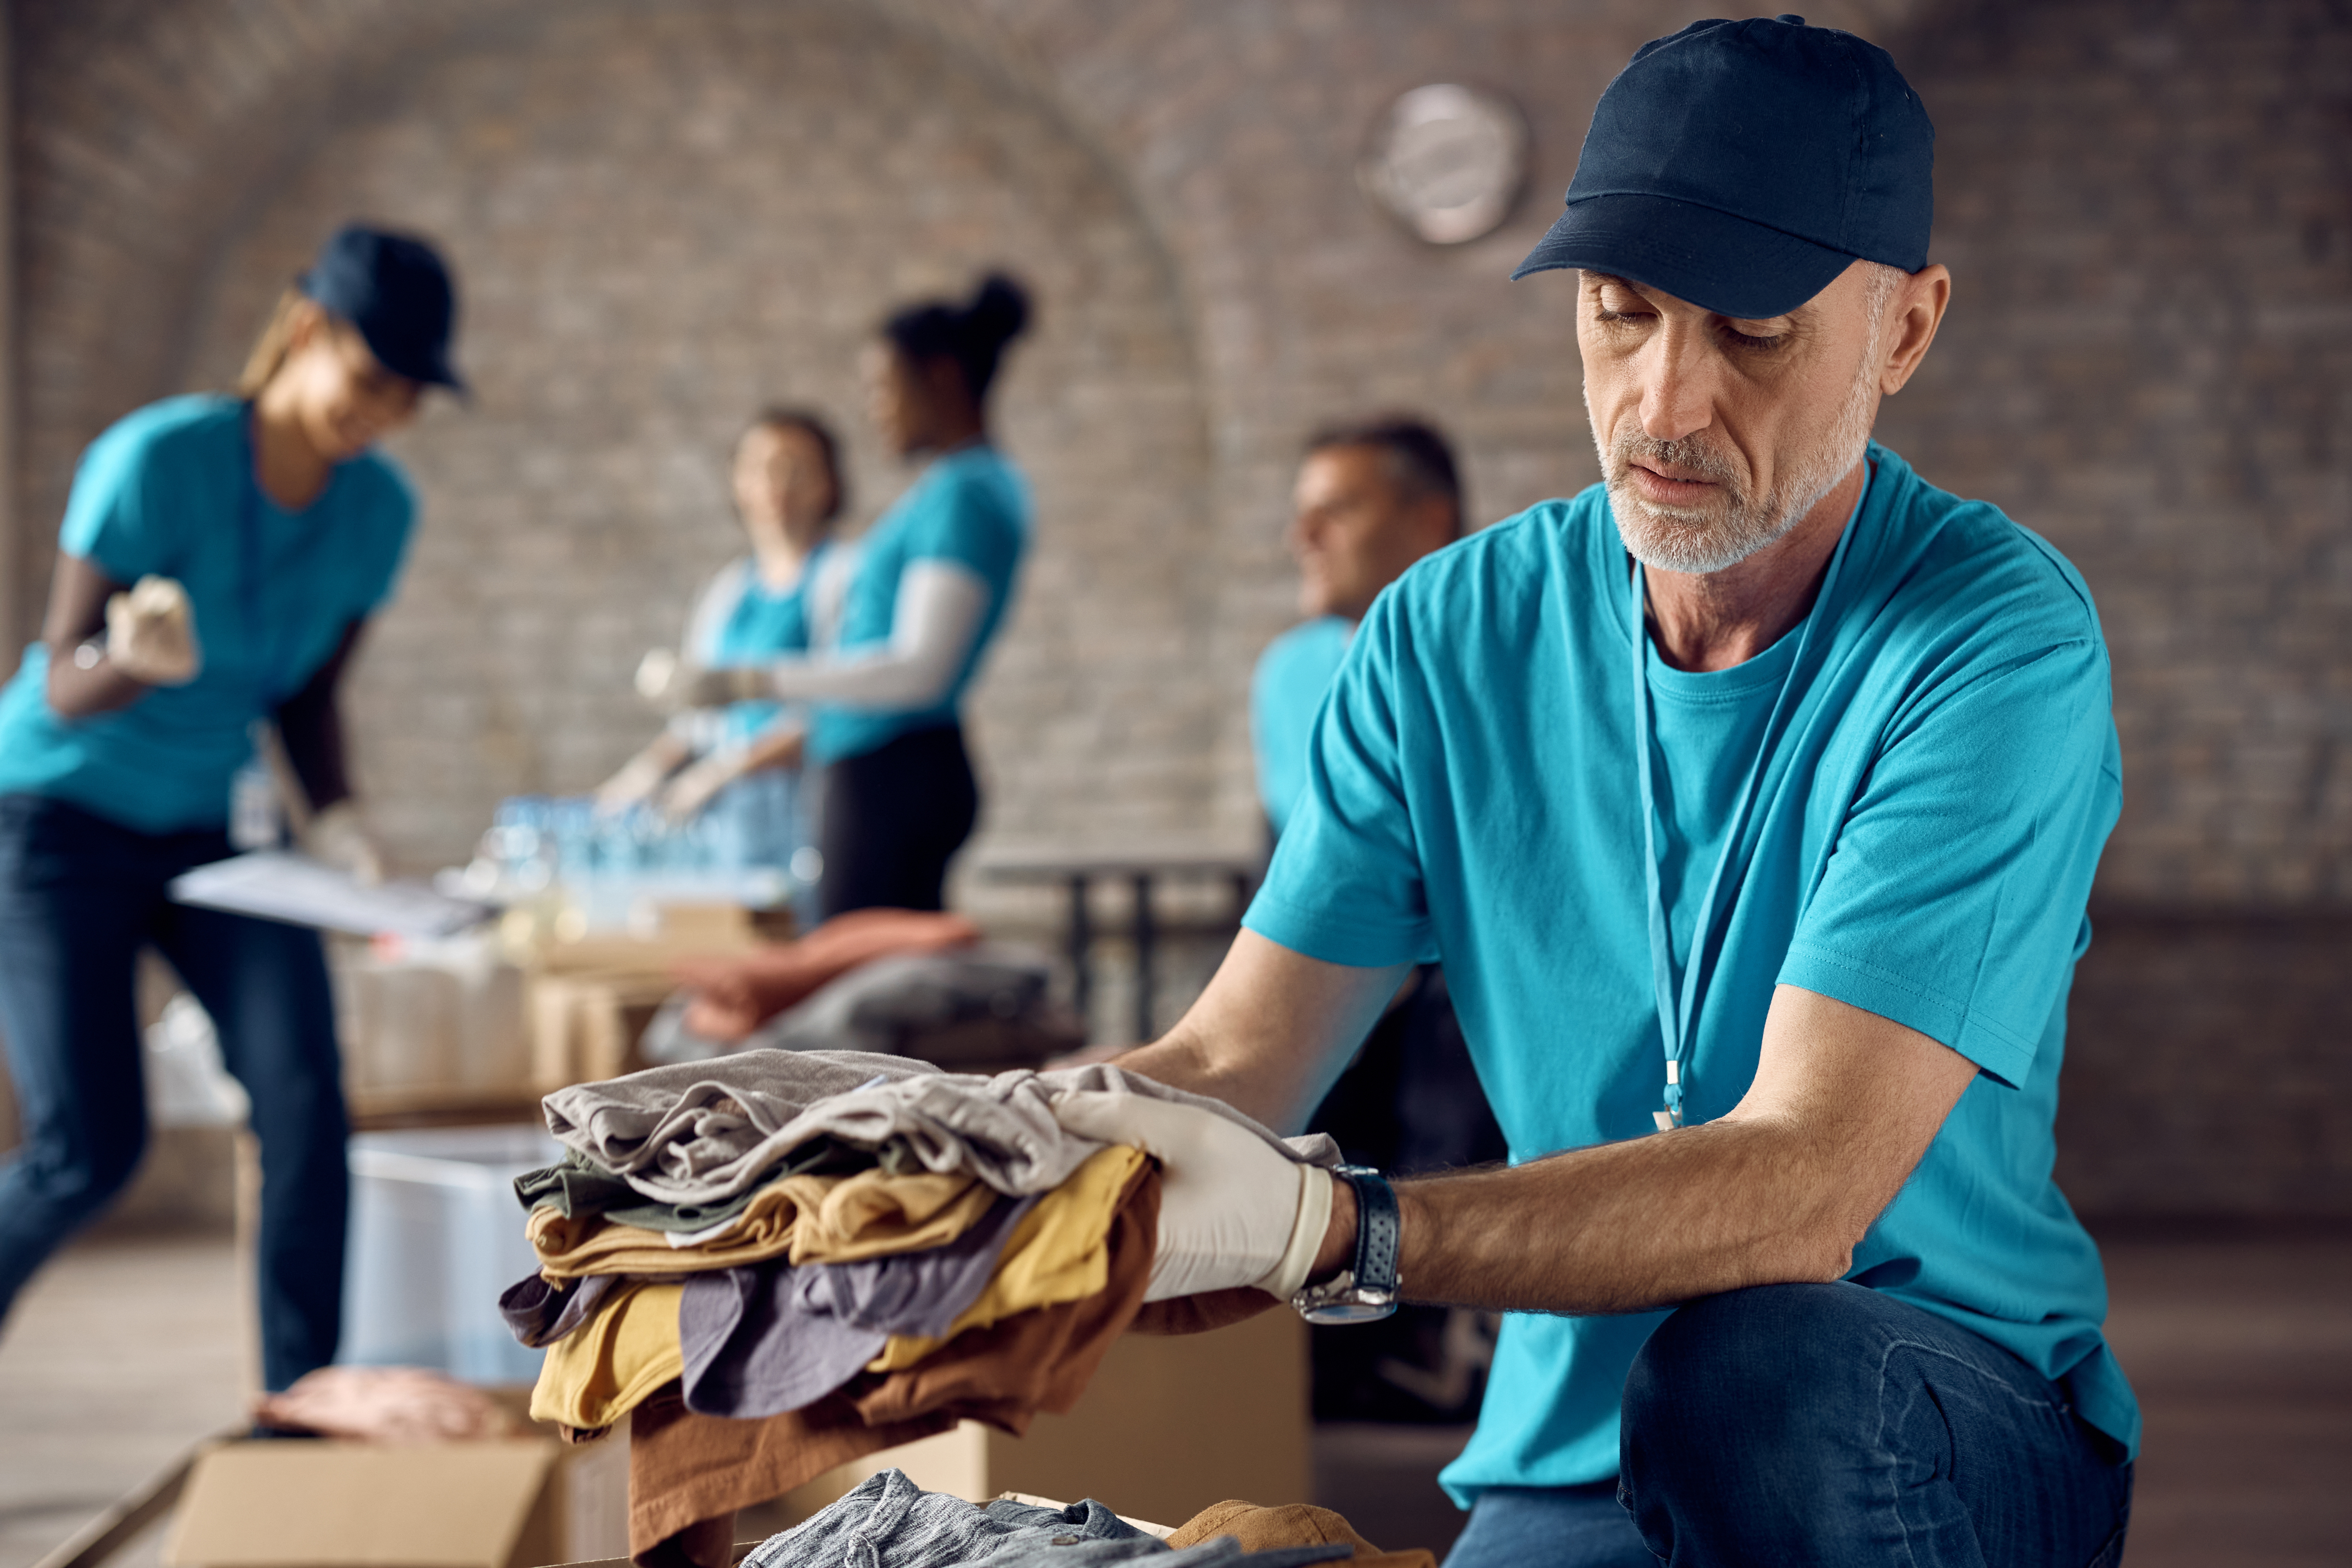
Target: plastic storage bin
435, 1235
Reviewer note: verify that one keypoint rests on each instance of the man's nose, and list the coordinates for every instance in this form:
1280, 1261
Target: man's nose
1678, 384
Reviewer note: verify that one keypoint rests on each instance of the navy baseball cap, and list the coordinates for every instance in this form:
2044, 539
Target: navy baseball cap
396, 291
1742, 166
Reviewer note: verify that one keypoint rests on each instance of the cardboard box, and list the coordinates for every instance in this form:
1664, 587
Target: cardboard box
1169, 1426
512, 1503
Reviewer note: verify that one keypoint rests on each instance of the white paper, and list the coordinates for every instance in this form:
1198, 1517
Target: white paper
281, 885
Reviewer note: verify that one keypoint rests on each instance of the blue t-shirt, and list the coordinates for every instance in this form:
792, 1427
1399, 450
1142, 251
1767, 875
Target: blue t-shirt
760, 625
1922, 845
971, 508
168, 490
1285, 693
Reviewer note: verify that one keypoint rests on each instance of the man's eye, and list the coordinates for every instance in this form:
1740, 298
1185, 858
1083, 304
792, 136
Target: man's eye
1606, 314
1751, 340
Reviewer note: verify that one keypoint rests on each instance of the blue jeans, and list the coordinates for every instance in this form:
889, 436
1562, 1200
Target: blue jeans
1826, 1424
79, 896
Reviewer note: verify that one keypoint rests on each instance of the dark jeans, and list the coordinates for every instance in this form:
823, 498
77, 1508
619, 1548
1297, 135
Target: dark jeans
1826, 1424
79, 896
892, 819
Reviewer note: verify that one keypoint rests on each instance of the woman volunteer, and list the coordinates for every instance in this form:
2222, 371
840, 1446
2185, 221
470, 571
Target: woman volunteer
740, 761
219, 560
932, 581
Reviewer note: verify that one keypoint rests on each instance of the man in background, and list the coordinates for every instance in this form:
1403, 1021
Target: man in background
1373, 496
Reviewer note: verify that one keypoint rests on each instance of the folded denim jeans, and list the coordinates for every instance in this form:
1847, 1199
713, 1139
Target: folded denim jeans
888, 1522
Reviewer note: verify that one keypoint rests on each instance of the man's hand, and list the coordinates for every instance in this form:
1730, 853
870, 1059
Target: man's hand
1233, 1210
338, 837
151, 634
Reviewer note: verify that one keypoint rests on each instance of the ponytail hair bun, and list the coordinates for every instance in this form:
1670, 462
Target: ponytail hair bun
973, 334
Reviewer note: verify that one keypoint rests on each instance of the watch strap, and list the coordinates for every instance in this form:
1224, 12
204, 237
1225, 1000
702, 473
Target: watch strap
1377, 1228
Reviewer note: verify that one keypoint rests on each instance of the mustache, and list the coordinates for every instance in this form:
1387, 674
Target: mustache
1688, 453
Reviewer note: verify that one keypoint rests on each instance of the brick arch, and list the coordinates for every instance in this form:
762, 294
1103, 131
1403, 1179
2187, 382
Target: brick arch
143, 131
237, 134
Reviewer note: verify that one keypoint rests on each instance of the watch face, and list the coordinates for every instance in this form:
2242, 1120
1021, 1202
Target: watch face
1447, 162
1357, 1309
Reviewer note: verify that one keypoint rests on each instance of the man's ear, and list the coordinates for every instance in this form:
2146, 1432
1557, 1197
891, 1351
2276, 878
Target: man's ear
1914, 312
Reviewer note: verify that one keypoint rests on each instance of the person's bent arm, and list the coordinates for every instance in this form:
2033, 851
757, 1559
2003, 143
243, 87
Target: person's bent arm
1779, 1191
77, 614
933, 620
311, 726
1271, 1032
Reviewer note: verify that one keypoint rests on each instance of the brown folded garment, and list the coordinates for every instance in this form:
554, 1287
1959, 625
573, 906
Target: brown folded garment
734, 996
687, 1471
1292, 1524
1038, 1360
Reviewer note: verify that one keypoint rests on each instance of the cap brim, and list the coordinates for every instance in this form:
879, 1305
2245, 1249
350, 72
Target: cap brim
1711, 259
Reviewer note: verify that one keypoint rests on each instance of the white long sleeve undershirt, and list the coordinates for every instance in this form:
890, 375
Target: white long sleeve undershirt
932, 624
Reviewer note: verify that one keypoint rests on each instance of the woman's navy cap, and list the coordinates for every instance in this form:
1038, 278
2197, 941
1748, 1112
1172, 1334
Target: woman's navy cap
396, 291
1742, 166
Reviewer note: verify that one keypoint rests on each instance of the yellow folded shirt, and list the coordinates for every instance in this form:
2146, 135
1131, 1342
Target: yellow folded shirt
600, 1371
1058, 1252
807, 1218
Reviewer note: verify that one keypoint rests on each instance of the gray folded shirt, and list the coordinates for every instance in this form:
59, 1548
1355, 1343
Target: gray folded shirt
700, 1132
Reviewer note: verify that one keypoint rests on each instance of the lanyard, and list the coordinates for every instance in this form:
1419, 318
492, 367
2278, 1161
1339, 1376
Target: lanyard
1679, 1014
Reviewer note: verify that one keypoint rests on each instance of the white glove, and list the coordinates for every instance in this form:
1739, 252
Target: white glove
638, 778
341, 840
151, 634
671, 683
1233, 1210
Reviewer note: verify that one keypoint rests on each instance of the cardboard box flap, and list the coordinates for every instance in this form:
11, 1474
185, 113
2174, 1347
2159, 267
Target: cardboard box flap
324, 1504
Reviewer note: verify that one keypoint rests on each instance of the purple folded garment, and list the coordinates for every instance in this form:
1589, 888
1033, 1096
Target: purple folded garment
539, 1313
768, 1338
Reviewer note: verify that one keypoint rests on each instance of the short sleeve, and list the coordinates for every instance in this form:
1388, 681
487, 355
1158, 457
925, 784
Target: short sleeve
1952, 902
111, 520
1346, 883
970, 525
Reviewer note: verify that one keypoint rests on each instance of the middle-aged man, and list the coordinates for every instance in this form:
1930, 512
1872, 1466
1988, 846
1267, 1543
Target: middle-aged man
1752, 795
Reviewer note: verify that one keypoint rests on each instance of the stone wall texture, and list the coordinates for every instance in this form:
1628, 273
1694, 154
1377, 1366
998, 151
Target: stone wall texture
667, 213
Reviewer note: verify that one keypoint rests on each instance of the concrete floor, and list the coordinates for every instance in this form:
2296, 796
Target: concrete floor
126, 1350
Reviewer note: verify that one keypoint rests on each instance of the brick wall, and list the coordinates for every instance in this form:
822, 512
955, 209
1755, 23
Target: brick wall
665, 214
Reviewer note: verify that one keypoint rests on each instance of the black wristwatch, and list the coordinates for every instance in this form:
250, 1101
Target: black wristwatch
1366, 1292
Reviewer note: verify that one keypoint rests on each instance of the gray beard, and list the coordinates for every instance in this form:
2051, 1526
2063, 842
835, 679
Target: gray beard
1698, 540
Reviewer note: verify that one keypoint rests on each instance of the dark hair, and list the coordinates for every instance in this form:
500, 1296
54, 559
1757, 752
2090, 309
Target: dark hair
973, 334
1420, 457
777, 417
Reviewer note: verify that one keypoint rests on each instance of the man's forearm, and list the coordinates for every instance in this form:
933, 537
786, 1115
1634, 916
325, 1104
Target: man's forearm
1623, 1228
1780, 1189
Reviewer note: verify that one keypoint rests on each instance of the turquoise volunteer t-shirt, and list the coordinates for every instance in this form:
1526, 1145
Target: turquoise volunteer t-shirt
1922, 845
168, 490
760, 625
971, 508
1285, 693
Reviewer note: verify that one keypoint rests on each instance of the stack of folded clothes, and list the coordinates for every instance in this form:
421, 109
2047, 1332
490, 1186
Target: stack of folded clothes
778, 1261
890, 1522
